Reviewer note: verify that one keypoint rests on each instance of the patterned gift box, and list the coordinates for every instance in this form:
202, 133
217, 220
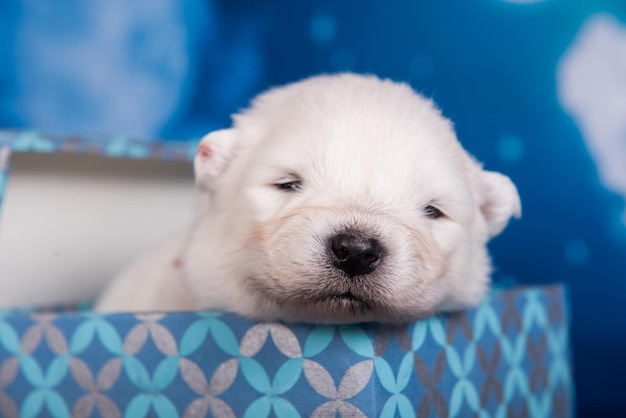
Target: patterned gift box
508, 357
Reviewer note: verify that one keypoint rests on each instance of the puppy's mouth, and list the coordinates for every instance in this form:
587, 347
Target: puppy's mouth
346, 300
349, 296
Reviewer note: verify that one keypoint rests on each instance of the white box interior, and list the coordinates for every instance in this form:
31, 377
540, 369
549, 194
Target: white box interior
69, 223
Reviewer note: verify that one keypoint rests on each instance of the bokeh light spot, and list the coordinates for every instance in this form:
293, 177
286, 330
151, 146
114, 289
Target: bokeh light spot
511, 148
323, 28
576, 252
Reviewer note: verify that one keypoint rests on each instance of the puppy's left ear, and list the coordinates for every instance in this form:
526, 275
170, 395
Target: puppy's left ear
500, 201
215, 152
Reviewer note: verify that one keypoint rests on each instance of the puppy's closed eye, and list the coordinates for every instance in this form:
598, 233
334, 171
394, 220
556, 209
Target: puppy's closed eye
289, 185
433, 212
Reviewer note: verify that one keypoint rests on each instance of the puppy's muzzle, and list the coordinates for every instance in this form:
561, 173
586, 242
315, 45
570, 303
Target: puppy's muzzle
353, 254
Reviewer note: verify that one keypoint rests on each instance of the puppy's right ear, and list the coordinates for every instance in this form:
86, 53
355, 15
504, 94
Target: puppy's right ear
215, 152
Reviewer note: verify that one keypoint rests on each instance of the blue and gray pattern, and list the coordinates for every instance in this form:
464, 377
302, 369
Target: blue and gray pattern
509, 357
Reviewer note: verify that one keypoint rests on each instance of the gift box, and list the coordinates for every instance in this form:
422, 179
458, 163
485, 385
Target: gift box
510, 356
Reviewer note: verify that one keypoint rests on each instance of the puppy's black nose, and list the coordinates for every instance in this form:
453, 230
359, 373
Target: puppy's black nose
355, 255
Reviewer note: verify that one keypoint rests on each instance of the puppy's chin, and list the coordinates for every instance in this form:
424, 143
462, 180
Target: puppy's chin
343, 309
337, 306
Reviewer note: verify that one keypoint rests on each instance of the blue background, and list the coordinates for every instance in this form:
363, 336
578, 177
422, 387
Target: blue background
175, 70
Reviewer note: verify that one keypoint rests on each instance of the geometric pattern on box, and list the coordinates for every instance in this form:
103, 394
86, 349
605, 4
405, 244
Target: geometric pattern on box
507, 358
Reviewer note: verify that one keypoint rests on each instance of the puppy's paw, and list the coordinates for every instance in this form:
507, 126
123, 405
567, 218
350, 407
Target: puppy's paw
213, 157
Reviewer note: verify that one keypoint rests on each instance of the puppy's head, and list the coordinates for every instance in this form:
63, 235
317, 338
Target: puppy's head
343, 199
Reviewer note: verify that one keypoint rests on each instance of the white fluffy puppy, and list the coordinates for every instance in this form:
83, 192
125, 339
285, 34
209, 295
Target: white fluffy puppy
340, 198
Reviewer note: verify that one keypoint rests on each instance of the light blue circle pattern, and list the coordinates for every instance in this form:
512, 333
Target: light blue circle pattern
508, 356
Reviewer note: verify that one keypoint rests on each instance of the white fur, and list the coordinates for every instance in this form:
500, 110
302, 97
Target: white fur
371, 155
